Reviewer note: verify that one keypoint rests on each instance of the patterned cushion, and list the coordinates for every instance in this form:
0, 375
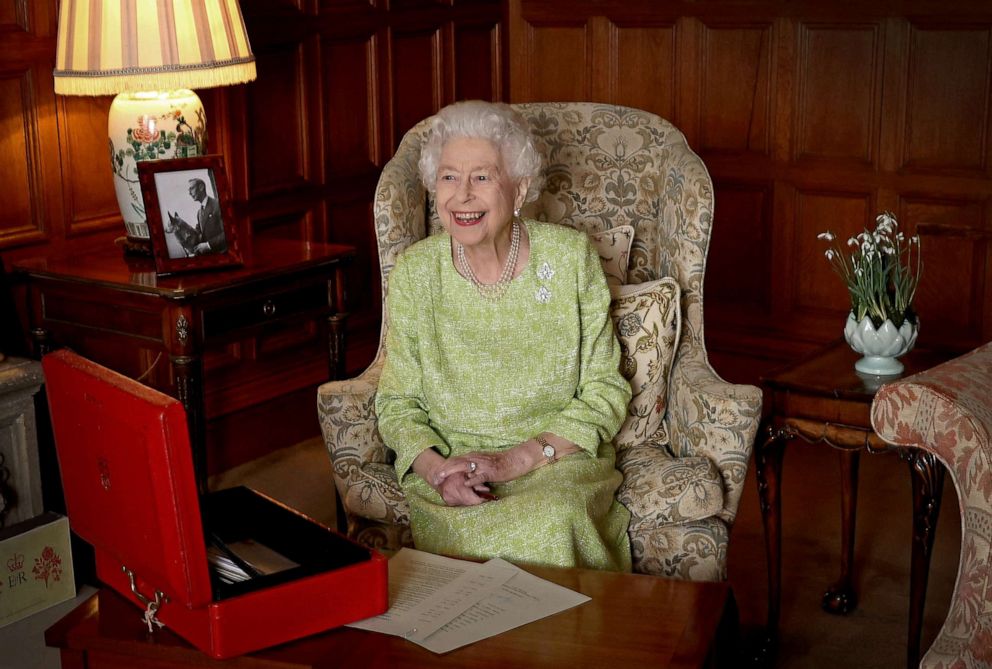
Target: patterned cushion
647, 321
660, 490
613, 246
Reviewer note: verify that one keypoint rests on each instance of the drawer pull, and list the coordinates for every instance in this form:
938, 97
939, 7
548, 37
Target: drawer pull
269, 308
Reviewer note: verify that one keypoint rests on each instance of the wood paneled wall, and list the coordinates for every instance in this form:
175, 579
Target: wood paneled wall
339, 82
810, 116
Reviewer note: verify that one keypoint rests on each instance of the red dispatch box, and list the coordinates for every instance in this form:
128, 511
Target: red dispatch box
127, 471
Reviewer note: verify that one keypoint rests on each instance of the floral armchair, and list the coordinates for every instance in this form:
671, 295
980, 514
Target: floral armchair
947, 411
605, 166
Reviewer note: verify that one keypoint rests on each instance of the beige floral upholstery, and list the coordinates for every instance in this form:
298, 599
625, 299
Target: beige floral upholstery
647, 321
660, 490
606, 166
613, 246
947, 411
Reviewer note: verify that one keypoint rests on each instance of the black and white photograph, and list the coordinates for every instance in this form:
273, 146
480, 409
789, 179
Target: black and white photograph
189, 217
191, 213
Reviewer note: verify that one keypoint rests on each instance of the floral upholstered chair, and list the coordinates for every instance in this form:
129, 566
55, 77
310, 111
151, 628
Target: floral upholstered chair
629, 180
947, 411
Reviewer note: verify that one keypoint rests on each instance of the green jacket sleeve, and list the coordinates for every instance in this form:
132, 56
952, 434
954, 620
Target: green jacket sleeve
399, 401
599, 407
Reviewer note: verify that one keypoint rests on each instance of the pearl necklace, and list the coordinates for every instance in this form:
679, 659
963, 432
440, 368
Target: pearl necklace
492, 291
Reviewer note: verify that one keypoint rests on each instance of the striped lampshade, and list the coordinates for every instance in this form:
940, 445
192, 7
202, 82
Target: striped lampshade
113, 46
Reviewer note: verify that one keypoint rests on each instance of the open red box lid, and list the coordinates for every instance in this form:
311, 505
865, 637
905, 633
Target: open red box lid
129, 484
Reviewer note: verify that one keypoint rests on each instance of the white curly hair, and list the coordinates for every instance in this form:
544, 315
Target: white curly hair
494, 121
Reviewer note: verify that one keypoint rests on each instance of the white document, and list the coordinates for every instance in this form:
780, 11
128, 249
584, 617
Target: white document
426, 591
520, 600
441, 603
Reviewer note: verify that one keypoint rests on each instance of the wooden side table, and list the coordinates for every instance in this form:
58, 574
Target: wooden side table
116, 311
823, 400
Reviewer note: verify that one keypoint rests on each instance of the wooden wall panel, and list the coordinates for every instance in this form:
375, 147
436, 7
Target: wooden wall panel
956, 233
840, 72
19, 170
741, 246
947, 111
646, 67
476, 54
416, 78
567, 44
279, 124
33, 207
88, 183
735, 92
350, 101
9, 15
815, 286
809, 116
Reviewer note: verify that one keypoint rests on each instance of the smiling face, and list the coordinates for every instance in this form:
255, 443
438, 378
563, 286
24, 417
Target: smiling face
475, 196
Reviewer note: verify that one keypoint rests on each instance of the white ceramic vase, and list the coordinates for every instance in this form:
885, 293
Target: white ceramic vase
880, 347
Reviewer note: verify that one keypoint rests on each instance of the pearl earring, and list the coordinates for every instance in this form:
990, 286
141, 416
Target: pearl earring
516, 212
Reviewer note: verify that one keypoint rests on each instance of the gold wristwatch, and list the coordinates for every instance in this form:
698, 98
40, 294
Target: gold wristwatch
546, 448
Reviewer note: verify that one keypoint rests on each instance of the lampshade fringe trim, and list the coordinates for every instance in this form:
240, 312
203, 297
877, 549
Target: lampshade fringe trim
111, 82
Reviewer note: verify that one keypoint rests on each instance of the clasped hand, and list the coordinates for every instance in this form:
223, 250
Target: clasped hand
463, 478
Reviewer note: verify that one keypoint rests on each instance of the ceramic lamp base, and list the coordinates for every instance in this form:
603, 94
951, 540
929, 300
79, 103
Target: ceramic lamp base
135, 247
151, 125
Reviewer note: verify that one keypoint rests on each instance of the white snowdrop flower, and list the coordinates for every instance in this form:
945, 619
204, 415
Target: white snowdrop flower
828, 236
829, 253
543, 295
545, 272
886, 220
852, 242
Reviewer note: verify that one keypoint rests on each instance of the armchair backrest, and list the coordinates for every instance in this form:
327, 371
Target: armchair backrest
605, 165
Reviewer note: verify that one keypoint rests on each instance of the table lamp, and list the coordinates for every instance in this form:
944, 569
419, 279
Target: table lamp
150, 54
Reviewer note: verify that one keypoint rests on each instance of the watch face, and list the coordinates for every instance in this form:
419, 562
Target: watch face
549, 451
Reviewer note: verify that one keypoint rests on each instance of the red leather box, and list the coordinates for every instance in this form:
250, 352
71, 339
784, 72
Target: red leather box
130, 490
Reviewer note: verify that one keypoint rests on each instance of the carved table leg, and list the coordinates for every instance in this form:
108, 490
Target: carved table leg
188, 377
927, 475
768, 456
840, 598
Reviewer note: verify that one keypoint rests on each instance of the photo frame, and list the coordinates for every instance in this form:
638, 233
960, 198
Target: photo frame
190, 218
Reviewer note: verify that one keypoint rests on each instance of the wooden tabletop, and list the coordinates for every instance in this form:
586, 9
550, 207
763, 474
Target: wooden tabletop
110, 267
830, 372
632, 621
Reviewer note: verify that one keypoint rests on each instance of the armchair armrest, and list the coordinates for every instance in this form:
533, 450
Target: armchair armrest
709, 416
363, 466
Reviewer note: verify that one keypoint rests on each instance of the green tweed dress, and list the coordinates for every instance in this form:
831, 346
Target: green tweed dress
464, 374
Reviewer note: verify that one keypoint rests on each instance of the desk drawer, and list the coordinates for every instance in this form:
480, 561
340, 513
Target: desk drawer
273, 307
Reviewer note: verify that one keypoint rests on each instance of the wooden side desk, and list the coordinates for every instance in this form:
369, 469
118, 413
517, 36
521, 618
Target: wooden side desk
196, 336
632, 621
822, 399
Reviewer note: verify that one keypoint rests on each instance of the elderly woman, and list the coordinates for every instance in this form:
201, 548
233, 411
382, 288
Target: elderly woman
501, 391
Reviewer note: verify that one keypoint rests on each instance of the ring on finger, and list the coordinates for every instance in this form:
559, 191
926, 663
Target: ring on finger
472, 467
